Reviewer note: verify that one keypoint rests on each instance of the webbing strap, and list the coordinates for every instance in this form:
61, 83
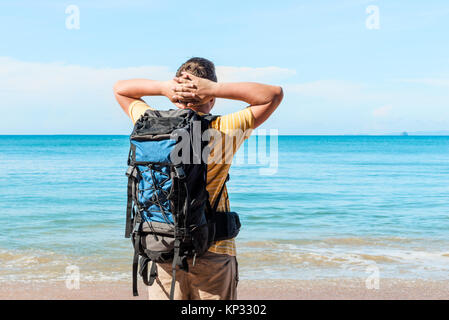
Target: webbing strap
144, 261
143, 270
128, 209
153, 273
217, 201
131, 172
173, 282
174, 265
136, 264
209, 118
178, 261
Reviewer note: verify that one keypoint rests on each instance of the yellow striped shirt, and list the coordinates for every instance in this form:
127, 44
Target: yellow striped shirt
234, 128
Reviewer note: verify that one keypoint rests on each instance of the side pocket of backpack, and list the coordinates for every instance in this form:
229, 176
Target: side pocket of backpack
227, 225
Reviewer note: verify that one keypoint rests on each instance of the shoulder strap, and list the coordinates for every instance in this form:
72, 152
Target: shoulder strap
132, 174
210, 117
213, 208
135, 264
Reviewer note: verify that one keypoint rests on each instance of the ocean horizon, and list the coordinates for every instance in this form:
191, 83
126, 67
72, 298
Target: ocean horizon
337, 206
417, 133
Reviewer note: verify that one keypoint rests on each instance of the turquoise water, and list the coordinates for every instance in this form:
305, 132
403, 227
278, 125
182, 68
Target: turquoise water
335, 206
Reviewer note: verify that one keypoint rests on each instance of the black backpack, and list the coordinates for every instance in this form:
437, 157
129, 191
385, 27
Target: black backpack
169, 217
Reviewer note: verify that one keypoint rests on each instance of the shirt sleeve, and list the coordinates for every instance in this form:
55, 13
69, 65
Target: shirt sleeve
136, 109
235, 128
241, 120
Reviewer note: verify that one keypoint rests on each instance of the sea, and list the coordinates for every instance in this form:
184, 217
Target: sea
329, 207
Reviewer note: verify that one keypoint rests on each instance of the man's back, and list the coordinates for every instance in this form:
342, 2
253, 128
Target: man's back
234, 128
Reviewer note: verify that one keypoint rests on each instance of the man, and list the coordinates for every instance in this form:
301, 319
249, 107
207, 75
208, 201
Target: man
215, 274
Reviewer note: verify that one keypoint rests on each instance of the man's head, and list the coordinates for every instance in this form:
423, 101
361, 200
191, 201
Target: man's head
202, 68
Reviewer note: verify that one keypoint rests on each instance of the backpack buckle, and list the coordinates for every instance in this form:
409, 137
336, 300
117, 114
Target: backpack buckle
130, 171
180, 172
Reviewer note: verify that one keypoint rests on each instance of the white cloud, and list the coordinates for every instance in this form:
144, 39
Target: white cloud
435, 82
329, 89
32, 81
269, 74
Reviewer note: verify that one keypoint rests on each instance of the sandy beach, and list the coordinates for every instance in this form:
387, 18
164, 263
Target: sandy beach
346, 289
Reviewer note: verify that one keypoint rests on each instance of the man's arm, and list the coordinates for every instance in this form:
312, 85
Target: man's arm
262, 98
128, 91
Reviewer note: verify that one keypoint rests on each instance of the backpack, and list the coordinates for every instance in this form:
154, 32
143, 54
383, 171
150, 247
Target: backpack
169, 217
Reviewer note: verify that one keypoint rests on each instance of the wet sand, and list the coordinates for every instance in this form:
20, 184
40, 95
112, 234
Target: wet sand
353, 289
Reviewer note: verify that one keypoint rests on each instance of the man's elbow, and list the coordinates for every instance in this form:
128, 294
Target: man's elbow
278, 95
118, 87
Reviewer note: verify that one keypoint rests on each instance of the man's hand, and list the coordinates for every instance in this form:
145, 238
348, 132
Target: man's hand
192, 90
178, 100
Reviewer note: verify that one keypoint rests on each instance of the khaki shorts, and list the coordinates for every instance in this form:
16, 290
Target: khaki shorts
214, 277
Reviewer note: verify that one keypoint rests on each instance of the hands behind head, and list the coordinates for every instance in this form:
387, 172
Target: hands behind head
190, 91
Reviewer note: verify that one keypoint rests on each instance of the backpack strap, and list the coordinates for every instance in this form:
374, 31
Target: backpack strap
178, 260
213, 209
136, 263
132, 176
210, 117
179, 257
143, 271
153, 273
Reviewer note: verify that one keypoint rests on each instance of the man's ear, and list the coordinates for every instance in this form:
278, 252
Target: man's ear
212, 103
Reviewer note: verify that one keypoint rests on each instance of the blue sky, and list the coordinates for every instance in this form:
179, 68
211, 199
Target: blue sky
339, 77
